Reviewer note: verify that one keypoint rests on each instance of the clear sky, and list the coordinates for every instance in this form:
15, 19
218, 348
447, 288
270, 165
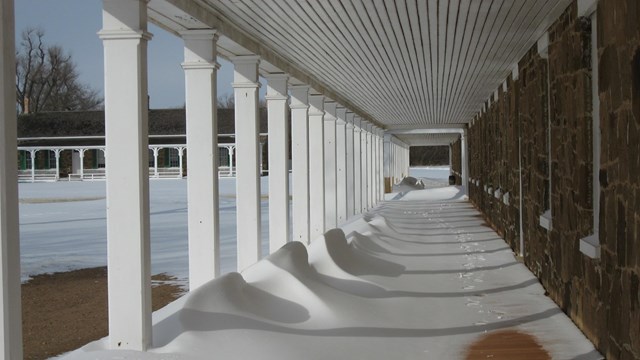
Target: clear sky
73, 24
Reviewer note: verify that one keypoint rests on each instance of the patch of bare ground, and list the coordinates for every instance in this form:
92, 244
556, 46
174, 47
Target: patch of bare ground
64, 311
507, 345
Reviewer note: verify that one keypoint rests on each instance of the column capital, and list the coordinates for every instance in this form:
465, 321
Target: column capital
245, 59
365, 125
357, 123
200, 49
299, 97
330, 111
127, 34
279, 76
245, 73
316, 105
199, 34
341, 114
349, 119
276, 86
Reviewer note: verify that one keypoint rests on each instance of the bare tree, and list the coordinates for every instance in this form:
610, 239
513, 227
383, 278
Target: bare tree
47, 79
226, 101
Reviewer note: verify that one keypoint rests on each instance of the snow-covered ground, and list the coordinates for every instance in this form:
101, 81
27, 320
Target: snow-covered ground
431, 176
63, 226
421, 277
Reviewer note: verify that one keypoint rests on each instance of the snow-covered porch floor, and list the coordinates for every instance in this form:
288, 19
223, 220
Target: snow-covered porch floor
419, 277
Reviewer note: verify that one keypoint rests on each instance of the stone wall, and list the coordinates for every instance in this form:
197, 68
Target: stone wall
493, 147
614, 281
545, 116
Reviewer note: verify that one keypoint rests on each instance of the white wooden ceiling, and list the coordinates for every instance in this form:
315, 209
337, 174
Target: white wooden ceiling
428, 139
399, 63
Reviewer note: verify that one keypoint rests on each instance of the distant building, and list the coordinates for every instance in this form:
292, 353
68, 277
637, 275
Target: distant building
70, 144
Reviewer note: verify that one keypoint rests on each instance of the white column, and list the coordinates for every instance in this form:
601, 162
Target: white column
278, 160
376, 166
350, 170
124, 34
316, 167
300, 162
260, 152
464, 162
341, 165
203, 218
230, 151
180, 159
364, 170
155, 151
245, 85
381, 164
370, 169
56, 153
357, 164
10, 298
81, 156
32, 154
387, 160
330, 167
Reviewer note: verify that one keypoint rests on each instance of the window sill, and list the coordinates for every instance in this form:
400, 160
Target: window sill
545, 220
590, 246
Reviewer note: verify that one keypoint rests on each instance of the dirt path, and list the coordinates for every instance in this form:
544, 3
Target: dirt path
66, 310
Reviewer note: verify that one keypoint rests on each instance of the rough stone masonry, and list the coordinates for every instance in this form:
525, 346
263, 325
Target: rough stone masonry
544, 121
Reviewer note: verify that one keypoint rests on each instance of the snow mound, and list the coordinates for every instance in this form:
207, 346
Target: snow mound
333, 255
408, 278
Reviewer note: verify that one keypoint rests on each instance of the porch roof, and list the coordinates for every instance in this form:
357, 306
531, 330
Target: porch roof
401, 63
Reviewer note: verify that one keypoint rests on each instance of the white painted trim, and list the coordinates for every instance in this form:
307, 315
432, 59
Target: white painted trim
330, 166
300, 162
316, 167
278, 113
590, 246
546, 221
248, 224
10, 298
543, 46
587, 7
127, 184
202, 161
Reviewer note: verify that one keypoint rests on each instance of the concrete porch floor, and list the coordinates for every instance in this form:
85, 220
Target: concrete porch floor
419, 277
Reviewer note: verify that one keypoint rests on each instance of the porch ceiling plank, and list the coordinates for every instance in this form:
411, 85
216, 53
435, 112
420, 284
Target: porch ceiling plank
342, 40
409, 15
411, 63
495, 72
392, 38
384, 49
486, 54
450, 46
405, 41
426, 54
486, 17
432, 32
470, 21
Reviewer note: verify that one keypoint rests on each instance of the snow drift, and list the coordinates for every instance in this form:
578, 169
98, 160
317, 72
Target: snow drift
412, 279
